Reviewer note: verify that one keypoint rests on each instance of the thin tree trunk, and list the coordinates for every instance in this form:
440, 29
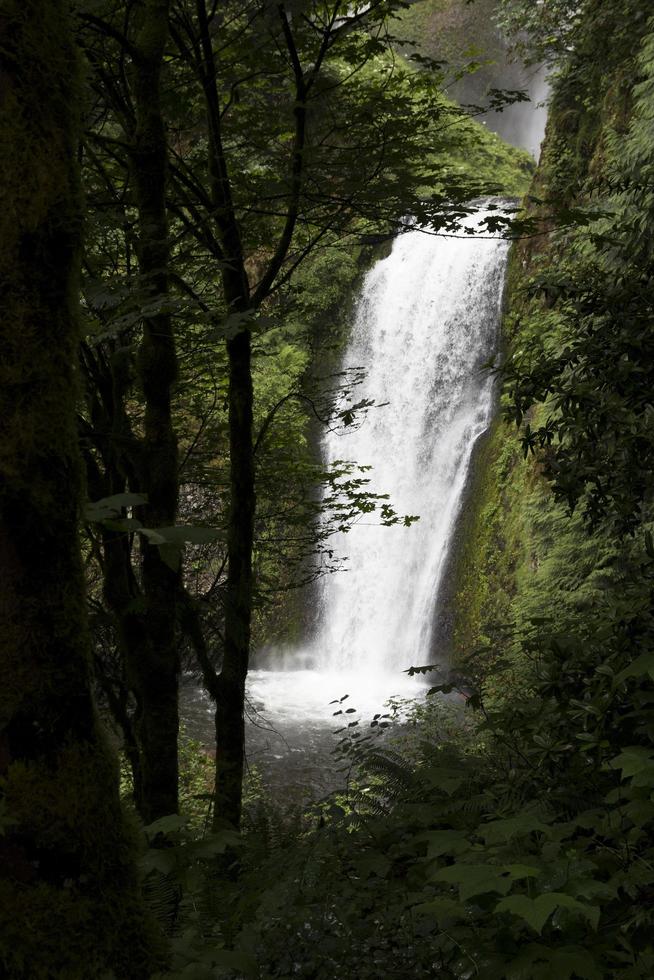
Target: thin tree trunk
69, 902
230, 689
154, 662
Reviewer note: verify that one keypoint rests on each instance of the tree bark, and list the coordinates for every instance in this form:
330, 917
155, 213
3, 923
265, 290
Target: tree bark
153, 663
69, 902
230, 689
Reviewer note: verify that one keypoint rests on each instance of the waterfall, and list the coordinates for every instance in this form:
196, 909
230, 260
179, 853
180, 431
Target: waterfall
426, 322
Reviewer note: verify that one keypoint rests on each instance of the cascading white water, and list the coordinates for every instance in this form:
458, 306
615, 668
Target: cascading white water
426, 323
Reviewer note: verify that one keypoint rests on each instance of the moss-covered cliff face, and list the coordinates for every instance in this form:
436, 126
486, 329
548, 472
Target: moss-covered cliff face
525, 559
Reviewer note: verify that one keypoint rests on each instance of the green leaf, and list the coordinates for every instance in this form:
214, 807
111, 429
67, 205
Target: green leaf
517, 872
474, 879
6, 820
373, 863
214, 844
160, 859
110, 507
171, 554
233, 960
447, 780
633, 760
170, 540
195, 971
571, 961
639, 668
170, 824
444, 842
536, 911
152, 536
188, 533
498, 831
537, 962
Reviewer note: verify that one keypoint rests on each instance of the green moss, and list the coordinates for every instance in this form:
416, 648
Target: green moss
501, 168
526, 562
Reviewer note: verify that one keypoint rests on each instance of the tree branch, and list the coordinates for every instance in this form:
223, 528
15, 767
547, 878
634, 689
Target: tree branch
297, 162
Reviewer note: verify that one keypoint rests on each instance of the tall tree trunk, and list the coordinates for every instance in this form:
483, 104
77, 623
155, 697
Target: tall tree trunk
229, 686
69, 902
230, 689
154, 662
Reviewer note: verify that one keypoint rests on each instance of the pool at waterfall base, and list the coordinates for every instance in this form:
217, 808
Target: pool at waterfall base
292, 723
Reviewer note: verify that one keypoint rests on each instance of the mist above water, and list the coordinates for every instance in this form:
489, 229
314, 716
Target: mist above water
523, 123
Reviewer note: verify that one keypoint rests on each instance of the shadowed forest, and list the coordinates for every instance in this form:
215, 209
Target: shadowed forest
326, 468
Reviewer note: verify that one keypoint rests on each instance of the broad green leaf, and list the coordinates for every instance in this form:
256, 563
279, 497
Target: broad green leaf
517, 872
110, 507
447, 780
170, 540
639, 812
170, 824
373, 863
6, 820
633, 760
171, 554
474, 879
536, 911
537, 962
233, 960
162, 859
195, 971
153, 536
519, 826
641, 665
214, 844
444, 842
180, 534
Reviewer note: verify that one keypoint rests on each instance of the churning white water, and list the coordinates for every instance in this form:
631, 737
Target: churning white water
426, 323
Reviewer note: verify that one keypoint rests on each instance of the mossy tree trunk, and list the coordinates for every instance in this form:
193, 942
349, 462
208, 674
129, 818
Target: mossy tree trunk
69, 901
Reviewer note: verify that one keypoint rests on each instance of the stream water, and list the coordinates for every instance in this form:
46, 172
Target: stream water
426, 323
